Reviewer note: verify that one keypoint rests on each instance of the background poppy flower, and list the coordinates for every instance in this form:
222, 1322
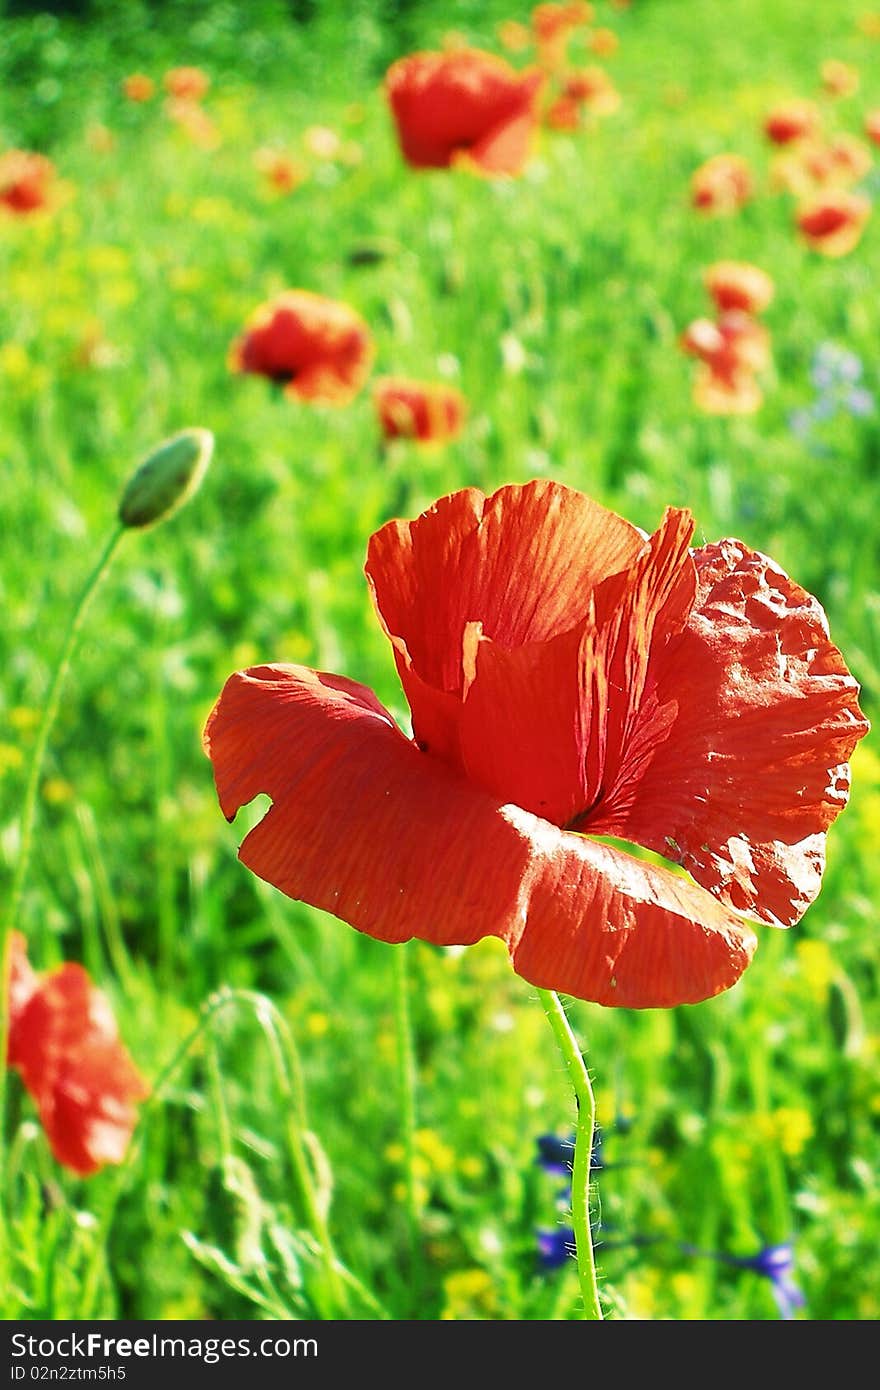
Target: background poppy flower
464, 106
514, 36
564, 113
839, 79
593, 89
553, 26
739, 285
318, 349
604, 42
64, 1042
187, 83
731, 350
25, 180
431, 412
564, 675
792, 120
721, 185
282, 173
732, 342
833, 222
138, 87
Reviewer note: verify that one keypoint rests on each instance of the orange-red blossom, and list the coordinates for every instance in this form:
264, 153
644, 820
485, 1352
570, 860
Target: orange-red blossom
316, 348
26, 181
463, 107
64, 1043
427, 411
568, 678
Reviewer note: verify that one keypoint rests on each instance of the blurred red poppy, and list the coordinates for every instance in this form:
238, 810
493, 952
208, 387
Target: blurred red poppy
722, 184
186, 84
738, 285
792, 120
842, 160
430, 412
839, 79
514, 36
593, 89
553, 26
833, 222
604, 42
138, 87
64, 1042
568, 678
316, 348
194, 122
731, 351
726, 392
564, 113
463, 107
282, 173
25, 181
872, 126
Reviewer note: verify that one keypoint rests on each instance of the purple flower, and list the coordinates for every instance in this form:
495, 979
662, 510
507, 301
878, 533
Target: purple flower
773, 1262
555, 1247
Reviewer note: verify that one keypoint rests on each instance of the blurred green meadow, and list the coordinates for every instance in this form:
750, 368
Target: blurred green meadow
554, 302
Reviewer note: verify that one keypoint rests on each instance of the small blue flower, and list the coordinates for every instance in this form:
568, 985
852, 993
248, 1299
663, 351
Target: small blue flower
555, 1247
859, 402
773, 1262
834, 366
555, 1155
776, 1263
800, 422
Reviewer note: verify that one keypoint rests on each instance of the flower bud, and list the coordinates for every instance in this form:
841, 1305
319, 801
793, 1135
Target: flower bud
167, 478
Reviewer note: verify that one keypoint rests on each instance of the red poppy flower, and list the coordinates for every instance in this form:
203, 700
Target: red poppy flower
464, 107
431, 412
564, 113
731, 350
722, 184
739, 285
604, 42
282, 173
842, 160
793, 120
833, 223
186, 84
567, 678
138, 87
514, 36
64, 1042
593, 88
733, 342
317, 349
553, 26
25, 180
872, 126
839, 79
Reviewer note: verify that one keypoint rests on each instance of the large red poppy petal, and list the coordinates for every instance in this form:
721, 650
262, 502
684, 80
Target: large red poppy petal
390, 840
762, 716
522, 562
524, 728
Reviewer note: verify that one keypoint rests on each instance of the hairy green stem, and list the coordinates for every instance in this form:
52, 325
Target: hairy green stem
9, 918
583, 1149
406, 1070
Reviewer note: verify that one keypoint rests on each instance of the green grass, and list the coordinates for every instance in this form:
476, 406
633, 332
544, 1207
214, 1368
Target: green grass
555, 303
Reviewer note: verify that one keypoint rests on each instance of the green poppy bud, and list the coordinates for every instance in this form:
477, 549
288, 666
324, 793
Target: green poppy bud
167, 478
